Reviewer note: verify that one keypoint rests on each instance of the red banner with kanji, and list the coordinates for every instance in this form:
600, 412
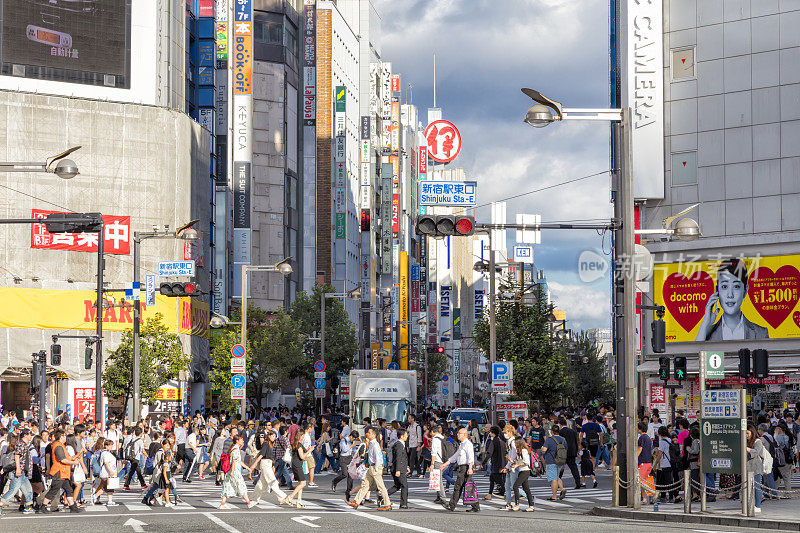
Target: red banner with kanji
117, 236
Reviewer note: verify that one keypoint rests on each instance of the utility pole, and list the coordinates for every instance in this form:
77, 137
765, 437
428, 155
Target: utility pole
42, 355
137, 317
98, 367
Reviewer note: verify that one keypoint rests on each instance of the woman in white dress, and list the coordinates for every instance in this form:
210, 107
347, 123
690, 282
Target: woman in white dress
233, 484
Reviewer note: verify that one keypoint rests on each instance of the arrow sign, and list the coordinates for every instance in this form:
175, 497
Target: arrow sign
306, 520
137, 525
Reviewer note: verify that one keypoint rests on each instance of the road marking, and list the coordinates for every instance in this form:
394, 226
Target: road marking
215, 504
576, 500
136, 525
266, 505
96, 508
426, 504
385, 520
306, 520
220, 523
137, 506
548, 503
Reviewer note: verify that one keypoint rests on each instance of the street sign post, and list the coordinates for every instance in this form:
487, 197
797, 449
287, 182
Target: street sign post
237, 381
319, 393
319, 366
319, 383
237, 365
502, 376
715, 365
237, 394
238, 350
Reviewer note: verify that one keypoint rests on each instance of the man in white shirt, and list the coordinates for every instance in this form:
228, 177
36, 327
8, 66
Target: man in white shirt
180, 441
437, 459
414, 442
113, 435
373, 474
465, 459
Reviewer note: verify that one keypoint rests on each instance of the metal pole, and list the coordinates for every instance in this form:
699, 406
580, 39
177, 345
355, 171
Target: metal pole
322, 302
137, 313
42, 355
492, 327
703, 502
425, 381
744, 494
244, 334
98, 370
626, 356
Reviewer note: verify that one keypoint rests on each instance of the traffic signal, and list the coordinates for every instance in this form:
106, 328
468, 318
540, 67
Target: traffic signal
680, 368
445, 225
87, 358
186, 288
53, 223
659, 338
440, 349
663, 368
365, 220
744, 362
55, 354
36, 375
760, 363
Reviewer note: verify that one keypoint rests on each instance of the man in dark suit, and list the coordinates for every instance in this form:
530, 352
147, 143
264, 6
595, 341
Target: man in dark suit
400, 468
496, 453
571, 436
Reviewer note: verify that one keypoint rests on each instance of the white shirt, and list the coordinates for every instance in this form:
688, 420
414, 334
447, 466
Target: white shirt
180, 435
345, 431
436, 448
735, 333
414, 435
191, 441
344, 447
375, 455
112, 435
306, 441
109, 463
465, 454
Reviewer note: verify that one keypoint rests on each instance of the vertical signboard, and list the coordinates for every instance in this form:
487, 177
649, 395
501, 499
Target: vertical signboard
309, 111
444, 310
422, 173
404, 310
386, 216
241, 64
395, 124
641, 59
339, 156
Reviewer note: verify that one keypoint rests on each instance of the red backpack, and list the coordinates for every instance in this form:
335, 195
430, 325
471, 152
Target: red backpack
225, 462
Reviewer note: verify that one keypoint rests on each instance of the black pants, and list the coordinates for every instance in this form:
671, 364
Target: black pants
497, 478
458, 488
664, 478
134, 468
573, 468
522, 481
344, 462
56, 487
401, 484
412, 460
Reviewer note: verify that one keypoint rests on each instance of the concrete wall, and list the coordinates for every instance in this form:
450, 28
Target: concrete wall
145, 162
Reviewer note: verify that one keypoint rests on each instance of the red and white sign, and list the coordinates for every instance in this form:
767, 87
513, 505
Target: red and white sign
344, 391
423, 159
84, 402
117, 231
395, 214
205, 8
444, 141
194, 250
514, 406
395, 83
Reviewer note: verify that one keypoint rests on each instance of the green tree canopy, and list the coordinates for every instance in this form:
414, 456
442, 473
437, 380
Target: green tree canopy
588, 380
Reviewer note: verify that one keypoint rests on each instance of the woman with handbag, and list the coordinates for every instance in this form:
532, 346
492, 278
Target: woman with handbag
299, 467
202, 444
233, 484
109, 481
79, 470
755, 463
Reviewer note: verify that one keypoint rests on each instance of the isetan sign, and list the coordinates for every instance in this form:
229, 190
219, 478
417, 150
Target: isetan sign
642, 85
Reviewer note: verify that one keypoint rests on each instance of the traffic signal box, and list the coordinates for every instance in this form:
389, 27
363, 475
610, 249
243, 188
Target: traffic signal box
186, 288
445, 225
680, 368
663, 368
658, 340
55, 355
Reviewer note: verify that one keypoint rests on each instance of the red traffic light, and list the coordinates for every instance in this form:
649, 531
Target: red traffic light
177, 289
440, 349
464, 225
189, 288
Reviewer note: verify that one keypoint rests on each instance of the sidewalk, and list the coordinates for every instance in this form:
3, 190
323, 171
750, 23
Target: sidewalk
776, 514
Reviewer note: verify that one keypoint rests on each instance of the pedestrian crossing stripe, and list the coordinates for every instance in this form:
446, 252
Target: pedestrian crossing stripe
423, 503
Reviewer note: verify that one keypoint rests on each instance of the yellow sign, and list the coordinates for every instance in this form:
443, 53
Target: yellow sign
194, 318
168, 393
374, 357
730, 299
403, 310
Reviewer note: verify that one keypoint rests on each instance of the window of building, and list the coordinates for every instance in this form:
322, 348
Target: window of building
291, 39
683, 64
268, 31
684, 168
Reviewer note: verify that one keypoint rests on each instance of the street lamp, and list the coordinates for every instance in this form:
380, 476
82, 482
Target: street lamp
284, 266
65, 169
542, 114
186, 233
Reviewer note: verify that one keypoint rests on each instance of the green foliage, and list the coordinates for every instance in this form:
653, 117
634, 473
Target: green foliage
524, 336
274, 354
587, 373
341, 344
161, 358
437, 365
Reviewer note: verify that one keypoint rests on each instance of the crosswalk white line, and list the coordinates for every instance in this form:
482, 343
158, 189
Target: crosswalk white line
137, 506
423, 503
576, 500
96, 508
184, 505
215, 504
267, 505
548, 503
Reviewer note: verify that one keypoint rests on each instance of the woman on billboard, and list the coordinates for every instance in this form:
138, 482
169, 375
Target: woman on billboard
731, 290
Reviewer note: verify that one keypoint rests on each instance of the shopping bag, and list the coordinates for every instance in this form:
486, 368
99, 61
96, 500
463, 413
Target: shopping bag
112, 483
435, 480
649, 485
79, 476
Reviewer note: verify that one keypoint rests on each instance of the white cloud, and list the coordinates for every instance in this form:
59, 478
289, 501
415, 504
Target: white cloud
586, 307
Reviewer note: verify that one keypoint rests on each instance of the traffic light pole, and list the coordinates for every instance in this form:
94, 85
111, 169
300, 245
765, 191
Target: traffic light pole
42, 355
137, 314
98, 367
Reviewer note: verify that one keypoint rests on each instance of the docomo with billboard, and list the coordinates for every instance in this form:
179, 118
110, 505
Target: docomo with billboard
756, 297
444, 141
86, 42
116, 236
641, 63
448, 193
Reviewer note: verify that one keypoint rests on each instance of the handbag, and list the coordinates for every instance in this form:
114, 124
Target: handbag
287, 456
112, 483
305, 467
470, 492
78, 476
435, 480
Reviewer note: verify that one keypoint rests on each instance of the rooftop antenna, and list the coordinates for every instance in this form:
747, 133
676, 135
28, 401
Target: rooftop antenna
434, 80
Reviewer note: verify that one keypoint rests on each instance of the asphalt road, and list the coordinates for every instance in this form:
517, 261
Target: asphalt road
326, 510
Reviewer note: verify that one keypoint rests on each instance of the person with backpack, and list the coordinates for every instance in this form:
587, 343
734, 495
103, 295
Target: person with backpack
233, 484
571, 437
437, 458
664, 476
133, 452
510, 435
770, 461
555, 456
60, 473
783, 443
464, 458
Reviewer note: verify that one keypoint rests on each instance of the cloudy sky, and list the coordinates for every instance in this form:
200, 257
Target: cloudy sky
486, 50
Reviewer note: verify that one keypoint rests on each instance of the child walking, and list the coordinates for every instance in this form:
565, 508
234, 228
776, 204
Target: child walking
587, 468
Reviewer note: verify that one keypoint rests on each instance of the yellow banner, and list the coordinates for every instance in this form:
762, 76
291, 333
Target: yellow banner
403, 310
730, 298
194, 317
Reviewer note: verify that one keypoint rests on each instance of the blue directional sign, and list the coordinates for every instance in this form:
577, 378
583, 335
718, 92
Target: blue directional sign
237, 381
445, 391
319, 383
394, 366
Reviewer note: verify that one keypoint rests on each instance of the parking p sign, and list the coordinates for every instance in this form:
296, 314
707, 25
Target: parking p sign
502, 376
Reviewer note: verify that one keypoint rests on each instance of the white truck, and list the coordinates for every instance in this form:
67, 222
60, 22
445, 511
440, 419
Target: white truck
387, 394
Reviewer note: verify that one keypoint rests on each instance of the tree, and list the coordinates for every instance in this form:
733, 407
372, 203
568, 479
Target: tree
587, 372
341, 344
273, 355
161, 357
524, 336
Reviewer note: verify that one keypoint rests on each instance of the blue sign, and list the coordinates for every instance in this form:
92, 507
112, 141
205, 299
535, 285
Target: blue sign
237, 350
319, 366
469, 402
175, 268
414, 272
445, 391
150, 290
237, 381
319, 383
394, 366
243, 10
502, 371
448, 193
